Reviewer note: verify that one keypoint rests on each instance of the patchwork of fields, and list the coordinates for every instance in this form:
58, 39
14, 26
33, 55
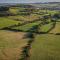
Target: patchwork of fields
34, 36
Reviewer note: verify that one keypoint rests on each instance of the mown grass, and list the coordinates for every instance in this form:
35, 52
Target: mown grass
46, 47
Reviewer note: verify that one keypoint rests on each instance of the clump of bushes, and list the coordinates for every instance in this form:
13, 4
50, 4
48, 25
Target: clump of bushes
4, 11
57, 15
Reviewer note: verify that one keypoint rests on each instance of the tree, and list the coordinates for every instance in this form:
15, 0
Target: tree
57, 15
2, 8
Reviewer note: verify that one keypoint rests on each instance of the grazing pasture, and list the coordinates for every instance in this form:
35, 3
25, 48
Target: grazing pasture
46, 47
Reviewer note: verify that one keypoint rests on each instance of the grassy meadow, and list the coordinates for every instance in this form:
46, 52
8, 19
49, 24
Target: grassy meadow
46, 47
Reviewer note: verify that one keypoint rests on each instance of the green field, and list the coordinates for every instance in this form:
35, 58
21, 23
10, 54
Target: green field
46, 47
46, 27
5, 22
27, 26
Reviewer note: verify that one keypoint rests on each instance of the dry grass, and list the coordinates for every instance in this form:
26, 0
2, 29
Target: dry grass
11, 44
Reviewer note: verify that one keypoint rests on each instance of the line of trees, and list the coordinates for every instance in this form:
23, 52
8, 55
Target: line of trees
3, 8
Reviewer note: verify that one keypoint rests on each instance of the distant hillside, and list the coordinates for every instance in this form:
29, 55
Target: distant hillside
17, 5
48, 5
53, 2
55, 5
